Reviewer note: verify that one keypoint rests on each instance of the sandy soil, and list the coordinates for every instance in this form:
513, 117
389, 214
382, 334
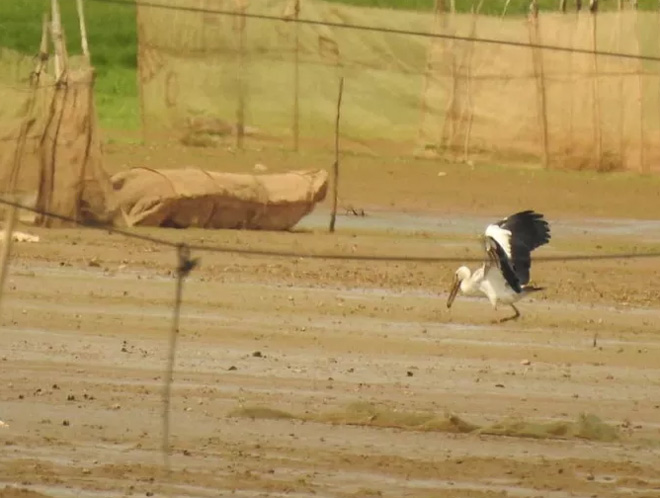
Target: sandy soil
86, 317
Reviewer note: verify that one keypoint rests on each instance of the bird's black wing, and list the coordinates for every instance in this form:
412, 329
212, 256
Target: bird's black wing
525, 232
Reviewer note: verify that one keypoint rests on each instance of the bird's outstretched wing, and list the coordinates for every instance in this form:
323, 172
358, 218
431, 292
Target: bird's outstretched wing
510, 241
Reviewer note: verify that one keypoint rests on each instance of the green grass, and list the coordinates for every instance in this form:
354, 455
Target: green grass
111, 32
111, 29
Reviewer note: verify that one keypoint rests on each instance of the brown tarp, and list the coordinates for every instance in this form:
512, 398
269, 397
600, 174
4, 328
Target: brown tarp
49, 147
192, 197
73, 180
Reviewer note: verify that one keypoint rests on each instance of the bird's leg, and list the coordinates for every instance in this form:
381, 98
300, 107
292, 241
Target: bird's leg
511, 317
494, 320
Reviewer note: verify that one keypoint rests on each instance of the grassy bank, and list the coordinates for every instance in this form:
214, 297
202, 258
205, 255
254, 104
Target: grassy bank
113, 44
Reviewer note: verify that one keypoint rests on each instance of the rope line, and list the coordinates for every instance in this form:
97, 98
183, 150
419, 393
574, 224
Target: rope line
326, 256
109, 229
379, 29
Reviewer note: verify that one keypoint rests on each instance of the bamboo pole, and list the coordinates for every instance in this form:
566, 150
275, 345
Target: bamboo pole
141, 62
83, 30
49, 154
449, 126
622, 142
643, 166
571, 84
241, 6
43, 46
335, 169
562, 8
428, 72
296, 78
506, 7
539, 78
56, 35
468, 90
85, 50
598, 135
6, 248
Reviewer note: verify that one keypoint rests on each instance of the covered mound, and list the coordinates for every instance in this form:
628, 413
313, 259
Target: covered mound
587, 426
193, 197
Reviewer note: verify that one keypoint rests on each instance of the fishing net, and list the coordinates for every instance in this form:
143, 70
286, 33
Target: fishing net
210, 77
50, 155
587, 425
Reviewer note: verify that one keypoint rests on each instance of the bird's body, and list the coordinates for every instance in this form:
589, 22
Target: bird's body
490, 283
504, 276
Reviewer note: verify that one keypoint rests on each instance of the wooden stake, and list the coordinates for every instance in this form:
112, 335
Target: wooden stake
619, 38
335, 182
468, 87
58, 41
43, 51
428, 72
43, 46
240, 77
571, 97
6, 247
643, 166
449, 126
141, 61
506, 6
83, 29
657, 23
56, 35
296, 79
539, 77
598, 138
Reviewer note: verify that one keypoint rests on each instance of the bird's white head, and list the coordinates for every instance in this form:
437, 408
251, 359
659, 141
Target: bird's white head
461, 274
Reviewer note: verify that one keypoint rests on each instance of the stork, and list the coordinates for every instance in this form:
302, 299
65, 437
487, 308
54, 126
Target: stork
504, 276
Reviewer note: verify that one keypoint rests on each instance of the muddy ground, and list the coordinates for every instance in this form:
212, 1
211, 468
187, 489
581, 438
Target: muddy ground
313, 377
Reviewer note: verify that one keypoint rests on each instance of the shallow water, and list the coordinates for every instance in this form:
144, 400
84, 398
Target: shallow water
647, 230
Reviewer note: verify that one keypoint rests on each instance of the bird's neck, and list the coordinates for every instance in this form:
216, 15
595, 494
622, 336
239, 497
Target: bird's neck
469, 284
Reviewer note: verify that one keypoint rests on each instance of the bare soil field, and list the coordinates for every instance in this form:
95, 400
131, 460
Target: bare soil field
301, 377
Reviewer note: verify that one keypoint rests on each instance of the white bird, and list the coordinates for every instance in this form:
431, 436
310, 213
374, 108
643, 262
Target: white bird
504, 276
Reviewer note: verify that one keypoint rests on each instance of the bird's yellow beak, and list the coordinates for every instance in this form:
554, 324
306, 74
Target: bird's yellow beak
456, 284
